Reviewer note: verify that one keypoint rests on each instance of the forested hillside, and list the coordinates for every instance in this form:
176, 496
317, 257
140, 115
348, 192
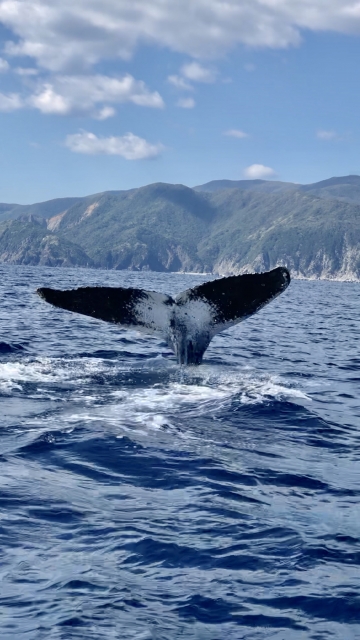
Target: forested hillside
220, 227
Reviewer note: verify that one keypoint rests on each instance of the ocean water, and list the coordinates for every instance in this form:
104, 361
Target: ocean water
143, 500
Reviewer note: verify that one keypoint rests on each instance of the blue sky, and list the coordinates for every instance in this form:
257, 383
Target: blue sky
107, 94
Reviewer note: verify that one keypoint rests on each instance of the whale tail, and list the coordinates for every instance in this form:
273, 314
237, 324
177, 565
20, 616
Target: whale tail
188, 322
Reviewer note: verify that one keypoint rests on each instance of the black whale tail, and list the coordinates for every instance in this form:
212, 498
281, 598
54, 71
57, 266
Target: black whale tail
212, 307
189, 322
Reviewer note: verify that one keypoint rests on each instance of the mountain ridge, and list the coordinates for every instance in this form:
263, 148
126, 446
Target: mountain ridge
217, 227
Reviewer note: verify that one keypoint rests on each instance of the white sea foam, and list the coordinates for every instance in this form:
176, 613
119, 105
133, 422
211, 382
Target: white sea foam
191, 392
158, 408
13, 375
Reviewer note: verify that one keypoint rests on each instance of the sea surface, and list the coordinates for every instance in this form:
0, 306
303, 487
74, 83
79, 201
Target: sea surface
143, 500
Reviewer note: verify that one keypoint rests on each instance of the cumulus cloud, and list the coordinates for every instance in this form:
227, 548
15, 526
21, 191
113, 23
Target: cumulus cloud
61, 34
257, 171
82, 93
4, 65
326, 135
180, 83
128, 146
104, 113
186, 103
48, 101
197, 72
10, 102
236, 133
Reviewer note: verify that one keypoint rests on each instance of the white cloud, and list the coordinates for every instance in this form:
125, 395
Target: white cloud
256, 171
4, 65
105, 112
180, 83
60, 34
128, 146
10, 102
81, 93
236, 133
26, 71
197, 73
326, 135
186, 103
48, 101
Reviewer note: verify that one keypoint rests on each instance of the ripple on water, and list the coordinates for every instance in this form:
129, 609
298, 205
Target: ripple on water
143, 500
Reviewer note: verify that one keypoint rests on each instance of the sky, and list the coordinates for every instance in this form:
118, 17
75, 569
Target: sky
100, 95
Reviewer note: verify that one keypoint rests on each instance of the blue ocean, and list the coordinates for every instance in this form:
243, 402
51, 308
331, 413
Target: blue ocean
141, 500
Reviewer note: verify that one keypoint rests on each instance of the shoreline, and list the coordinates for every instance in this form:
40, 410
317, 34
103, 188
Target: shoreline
341, 278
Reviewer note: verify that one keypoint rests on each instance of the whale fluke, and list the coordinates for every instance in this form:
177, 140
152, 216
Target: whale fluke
188, 322
145, 310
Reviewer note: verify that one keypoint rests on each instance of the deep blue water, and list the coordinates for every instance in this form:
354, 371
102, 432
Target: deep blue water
141, 500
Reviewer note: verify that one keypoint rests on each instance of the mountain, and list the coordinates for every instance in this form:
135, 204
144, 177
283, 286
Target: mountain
41, 209
264, 186
221, 227
157, 227
312, 236
27, 241
346, 188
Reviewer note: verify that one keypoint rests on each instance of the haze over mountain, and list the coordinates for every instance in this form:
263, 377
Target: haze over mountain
220, 227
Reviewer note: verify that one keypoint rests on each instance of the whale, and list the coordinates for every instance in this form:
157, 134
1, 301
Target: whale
187, 322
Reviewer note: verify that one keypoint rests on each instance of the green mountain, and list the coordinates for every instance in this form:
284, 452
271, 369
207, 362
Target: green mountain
221, 227
41, 209
264, 186
27, 241
346, 188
